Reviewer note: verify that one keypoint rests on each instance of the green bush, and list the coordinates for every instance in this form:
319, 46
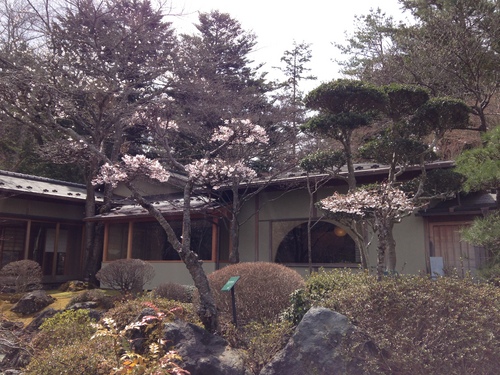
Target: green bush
447, 326
491, 274
65, 328
262, 291
175, 292
320, 286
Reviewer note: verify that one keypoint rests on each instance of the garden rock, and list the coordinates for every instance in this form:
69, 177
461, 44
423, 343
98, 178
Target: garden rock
32, 302
39, 319
13, 354
83, 305
316, 347
203, 353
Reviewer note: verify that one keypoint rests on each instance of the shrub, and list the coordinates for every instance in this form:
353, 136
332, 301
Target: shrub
126, 312
175, 292
261, 341
491, 274
90, 357
126, 275
320, 286
21, 276
65, 328
447, 326
93, 295
261, 293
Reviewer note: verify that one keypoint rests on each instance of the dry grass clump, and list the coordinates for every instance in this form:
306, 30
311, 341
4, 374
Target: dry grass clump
262, 291
447, 326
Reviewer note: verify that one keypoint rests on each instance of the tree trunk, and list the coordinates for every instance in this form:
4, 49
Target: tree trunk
90, 268
207, 310
383, 230
391, 249
234, 227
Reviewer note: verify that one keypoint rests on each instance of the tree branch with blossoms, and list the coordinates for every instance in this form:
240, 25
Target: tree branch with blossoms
381, 206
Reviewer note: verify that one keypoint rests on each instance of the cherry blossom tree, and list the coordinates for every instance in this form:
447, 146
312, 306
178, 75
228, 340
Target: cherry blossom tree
235, 147
379, 206
93, 65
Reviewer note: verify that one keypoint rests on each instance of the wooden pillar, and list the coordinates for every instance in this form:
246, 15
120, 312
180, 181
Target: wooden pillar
56, 246
105, 244
130, 239
27, 240
215, 238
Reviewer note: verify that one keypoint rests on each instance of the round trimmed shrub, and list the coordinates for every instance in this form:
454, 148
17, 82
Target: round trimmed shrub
173, 291
21, 276
261, 293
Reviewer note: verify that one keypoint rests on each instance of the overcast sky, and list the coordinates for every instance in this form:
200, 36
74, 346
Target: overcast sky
277, 23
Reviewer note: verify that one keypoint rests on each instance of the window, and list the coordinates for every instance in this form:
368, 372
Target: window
117, 241
12, 238
150, 240
330, 243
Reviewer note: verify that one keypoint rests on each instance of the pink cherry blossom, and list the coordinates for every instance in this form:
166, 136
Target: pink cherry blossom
385, 200
130, 168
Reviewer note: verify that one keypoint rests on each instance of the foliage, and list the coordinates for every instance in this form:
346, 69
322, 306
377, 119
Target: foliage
450, 325
22, 275
65, 328
174, 292
439, 183
491, 273
260, 341
323, 160
262, 291
320, 286
150, 356
450, 47
439, 115
346, 96
126, 311
71, 359
126, 275
485, 232
481, 165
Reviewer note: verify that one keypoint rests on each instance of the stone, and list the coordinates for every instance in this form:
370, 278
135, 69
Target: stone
203, 353
316, 347
39, 318
32, 302
83, 305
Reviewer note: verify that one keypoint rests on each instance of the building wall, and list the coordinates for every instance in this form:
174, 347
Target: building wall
175, 272
270, 210
43, 209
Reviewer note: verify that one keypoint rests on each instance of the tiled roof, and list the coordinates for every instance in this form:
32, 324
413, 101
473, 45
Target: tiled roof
472, 203
172, 206
18, 183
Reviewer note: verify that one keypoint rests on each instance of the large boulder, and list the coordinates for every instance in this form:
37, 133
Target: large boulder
32, 302
317, 347
14, 352
203, 353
